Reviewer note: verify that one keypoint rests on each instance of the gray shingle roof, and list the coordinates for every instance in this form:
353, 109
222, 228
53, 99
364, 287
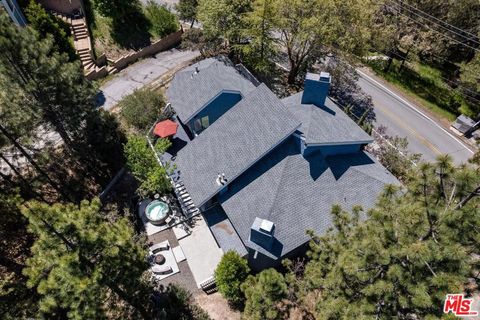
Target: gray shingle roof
297, 193
325, 125
233, 143
189, 91
223, 230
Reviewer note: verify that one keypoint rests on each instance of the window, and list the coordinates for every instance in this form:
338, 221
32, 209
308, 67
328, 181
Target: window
205, 122
201, 124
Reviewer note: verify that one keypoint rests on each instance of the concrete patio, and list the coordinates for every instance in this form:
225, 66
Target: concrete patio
201, 250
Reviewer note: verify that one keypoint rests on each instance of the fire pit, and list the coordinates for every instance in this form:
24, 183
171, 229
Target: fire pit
157, 212
159, 259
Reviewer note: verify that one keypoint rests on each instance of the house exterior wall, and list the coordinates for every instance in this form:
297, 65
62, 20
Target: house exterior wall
333, 150
13, 10
261, 262
216, 108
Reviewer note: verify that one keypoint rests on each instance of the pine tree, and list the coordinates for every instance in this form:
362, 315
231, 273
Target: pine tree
187, 10
47, 24
84, 265
54, 90
264, 293
416, 246
261, 48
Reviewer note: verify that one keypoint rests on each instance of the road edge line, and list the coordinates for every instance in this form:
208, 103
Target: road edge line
411, 106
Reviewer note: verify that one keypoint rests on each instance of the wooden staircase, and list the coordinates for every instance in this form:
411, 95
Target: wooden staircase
81, 40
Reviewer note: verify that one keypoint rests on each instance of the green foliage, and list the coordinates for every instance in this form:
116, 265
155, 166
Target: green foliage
46, 24
261, 49
415, 247
195, 39
187, 10
143, 165
162, 21
231, 271
142, 108
264, 293
470, 79
393, 154
83, 265
55, 93
16, 300
120, 10
308, 26
176, 304
426, 83
222, 18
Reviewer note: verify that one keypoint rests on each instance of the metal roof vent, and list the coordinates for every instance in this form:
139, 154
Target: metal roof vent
221, 180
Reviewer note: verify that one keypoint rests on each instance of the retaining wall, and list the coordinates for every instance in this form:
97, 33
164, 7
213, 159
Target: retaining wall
160, 45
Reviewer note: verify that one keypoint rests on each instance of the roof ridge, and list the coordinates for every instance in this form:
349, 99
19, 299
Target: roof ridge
279, 185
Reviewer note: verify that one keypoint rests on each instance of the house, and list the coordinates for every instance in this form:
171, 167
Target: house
262, 170
13, 10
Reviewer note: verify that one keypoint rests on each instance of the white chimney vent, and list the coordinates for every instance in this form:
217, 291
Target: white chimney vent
266, 226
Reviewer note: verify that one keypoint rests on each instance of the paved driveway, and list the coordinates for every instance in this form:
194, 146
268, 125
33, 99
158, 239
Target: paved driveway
140, 74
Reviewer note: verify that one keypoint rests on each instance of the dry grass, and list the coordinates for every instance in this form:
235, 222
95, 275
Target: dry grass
216, 306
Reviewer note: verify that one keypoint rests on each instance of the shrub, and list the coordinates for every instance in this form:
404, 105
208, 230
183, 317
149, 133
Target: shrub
176, 303
231, 271
46, 24
142, 108
162, 21
143, 165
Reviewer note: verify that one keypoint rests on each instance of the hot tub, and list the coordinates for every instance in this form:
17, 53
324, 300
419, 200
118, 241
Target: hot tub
157, 212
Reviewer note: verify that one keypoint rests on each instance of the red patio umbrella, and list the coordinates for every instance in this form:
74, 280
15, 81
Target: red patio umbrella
165, 128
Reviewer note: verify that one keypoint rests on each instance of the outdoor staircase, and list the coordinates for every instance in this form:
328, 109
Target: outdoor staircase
185, 200
81, 40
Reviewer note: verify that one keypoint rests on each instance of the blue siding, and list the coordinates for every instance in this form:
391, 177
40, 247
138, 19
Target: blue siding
315, 90
215, 109
334, 150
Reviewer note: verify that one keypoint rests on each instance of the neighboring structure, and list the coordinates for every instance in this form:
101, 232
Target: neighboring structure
465, 125
262, 170
14, 11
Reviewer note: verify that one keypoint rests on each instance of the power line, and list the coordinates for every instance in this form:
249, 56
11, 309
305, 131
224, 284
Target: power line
448, 80
444, 35
441, 21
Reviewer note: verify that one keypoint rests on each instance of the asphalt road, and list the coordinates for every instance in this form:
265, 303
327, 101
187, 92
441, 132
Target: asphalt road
405, 119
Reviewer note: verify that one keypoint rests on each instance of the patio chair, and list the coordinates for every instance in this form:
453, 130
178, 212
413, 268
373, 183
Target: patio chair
162, 269
169, 220
159, 247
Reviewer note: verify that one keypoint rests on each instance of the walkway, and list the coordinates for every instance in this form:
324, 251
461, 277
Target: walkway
141, 74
